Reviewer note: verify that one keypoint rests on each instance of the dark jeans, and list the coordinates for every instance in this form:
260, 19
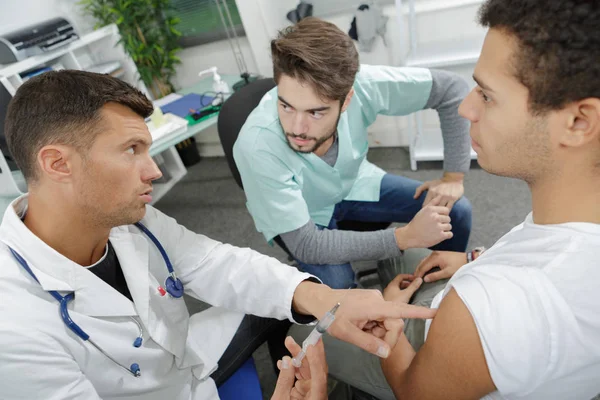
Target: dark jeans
252, 332
396, 204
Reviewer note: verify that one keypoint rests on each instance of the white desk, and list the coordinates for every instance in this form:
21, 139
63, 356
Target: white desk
164, 145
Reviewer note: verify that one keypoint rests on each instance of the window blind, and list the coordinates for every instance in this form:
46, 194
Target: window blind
328, 8
200, 21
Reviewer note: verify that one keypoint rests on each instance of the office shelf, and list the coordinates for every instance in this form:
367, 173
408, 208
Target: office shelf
439, 52
42, 59
176, 170
436, 155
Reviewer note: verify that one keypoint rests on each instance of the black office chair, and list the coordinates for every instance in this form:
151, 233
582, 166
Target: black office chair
233, 115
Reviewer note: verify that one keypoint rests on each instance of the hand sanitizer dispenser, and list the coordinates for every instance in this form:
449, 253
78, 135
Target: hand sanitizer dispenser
219, 85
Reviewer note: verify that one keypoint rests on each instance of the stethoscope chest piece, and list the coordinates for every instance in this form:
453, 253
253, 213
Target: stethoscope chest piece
174, 286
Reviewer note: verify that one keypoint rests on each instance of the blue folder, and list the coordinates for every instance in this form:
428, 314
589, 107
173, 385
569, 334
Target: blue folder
181, 107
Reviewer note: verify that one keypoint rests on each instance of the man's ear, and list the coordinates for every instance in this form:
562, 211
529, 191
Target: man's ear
56, 162
583, 124
347, 100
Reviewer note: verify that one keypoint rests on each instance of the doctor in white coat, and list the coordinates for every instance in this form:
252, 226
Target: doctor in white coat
88, 305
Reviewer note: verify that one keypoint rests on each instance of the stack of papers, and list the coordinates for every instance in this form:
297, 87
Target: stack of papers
106, 68
172, 126
167, 99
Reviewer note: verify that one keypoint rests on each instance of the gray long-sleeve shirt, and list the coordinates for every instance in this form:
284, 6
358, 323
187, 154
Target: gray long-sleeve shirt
312, 245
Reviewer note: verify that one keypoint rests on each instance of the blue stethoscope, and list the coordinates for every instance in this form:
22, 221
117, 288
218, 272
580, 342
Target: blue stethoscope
173, 286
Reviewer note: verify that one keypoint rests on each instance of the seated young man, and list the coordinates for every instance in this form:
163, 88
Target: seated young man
302, 156
522, 320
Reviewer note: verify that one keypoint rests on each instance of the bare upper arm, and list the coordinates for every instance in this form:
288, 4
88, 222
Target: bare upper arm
451, 364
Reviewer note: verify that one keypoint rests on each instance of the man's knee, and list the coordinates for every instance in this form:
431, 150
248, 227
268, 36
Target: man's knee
350, 364
334, 276
345, 279
461, 213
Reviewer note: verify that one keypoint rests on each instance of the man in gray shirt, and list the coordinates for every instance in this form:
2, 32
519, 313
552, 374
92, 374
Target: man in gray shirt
302, 156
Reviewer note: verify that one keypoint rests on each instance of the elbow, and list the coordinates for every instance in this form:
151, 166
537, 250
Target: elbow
453, 85
302, 248
294, 249
303, 256
308, 252
458, 87
461, 87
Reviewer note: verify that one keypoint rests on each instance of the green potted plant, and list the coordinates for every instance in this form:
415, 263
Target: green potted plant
148, 34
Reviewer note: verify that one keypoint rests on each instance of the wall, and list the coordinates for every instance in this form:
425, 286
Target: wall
448, 20
219, 54
198, 58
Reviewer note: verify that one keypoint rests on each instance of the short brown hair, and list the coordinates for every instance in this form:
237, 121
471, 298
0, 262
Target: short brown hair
558, 40
63, 107
316, 52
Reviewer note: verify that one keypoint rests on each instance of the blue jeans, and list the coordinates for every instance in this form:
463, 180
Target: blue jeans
396, 204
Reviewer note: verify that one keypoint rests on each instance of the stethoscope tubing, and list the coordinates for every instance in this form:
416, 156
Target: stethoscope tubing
64, 301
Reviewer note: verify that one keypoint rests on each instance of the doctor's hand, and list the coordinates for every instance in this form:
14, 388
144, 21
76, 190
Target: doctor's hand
311, 383
447, 261
450, 189
363, 319
429, 227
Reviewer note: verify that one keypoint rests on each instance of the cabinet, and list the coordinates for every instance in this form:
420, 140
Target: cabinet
440, 35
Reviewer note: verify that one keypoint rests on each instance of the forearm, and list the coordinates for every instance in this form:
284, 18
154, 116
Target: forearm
396, 366
447, 93
244, 280
453, 176
314, 299
314, 246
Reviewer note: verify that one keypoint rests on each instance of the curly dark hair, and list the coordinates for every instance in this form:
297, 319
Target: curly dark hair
559, 47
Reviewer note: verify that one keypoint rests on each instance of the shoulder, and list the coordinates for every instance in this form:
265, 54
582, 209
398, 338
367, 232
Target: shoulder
30, 316
370, 74
8, 265
395, 89
18, 291
509, 307
263, 150
169, 232
500, 287
261, 126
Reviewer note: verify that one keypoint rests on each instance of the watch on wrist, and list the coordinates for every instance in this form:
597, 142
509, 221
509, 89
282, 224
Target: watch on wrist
473, 254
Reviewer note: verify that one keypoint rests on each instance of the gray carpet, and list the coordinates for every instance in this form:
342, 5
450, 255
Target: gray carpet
208, 201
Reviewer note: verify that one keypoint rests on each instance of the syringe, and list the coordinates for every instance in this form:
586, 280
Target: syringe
315, 335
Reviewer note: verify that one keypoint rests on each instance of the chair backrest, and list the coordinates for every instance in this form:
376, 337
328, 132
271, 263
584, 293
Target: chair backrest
233, 115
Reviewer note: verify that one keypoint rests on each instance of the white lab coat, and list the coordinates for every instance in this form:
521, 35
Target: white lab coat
40, 358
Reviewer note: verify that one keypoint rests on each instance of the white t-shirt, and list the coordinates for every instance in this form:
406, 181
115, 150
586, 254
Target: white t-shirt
535, 298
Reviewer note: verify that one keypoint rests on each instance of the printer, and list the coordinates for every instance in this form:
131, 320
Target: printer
36, 39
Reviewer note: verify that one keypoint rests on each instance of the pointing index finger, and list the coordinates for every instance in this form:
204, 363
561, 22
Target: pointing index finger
399, 311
